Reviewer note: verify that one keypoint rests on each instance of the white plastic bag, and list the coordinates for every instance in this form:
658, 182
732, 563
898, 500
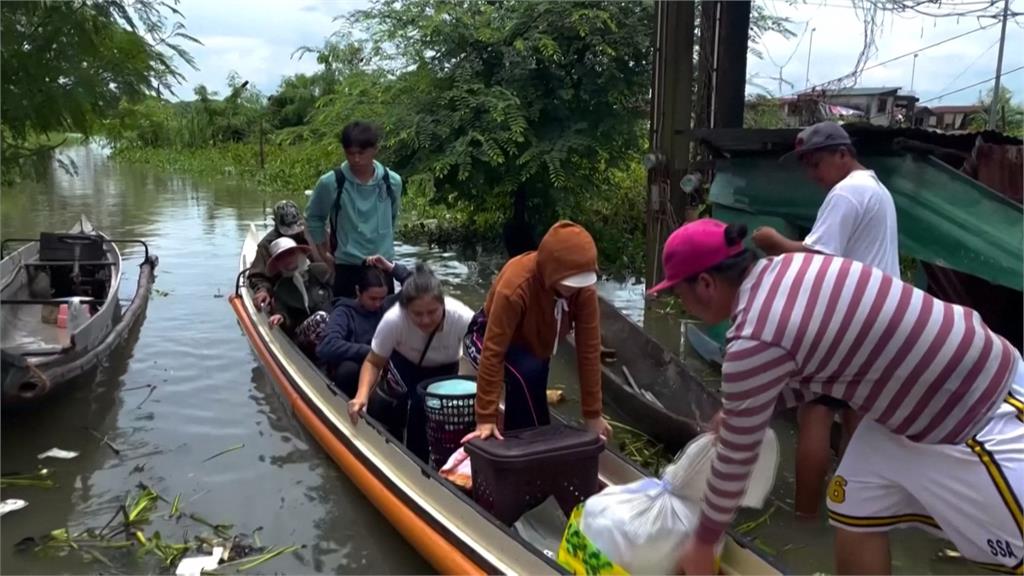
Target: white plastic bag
688, 474
643, 525
640, 526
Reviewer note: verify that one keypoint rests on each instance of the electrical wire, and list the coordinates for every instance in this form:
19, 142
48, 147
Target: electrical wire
941, 96
969, 66
901, 56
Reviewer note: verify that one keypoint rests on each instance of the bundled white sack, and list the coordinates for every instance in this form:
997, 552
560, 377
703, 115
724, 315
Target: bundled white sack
643, 525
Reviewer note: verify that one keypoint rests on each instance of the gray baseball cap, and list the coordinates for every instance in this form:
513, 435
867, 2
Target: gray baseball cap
816, 137
287, 218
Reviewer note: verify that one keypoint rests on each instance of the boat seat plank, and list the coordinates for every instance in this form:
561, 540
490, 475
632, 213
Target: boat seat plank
70, 263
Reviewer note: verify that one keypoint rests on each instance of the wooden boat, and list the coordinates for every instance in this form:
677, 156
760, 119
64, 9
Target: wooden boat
444, 524
649, 385
40, 276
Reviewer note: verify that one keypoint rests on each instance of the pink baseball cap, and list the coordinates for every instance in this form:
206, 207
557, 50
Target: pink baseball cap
692, 249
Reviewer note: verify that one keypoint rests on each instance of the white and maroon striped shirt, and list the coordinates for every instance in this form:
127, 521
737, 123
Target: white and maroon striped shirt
809, 324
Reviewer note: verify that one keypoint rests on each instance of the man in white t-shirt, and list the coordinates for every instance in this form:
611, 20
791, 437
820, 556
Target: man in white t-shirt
857, 220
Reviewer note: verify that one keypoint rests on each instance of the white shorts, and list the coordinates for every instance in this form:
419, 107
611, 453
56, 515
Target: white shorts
969, 493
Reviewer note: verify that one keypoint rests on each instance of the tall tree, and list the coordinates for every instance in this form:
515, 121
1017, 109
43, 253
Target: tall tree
65, 66
500, 97
1009, 116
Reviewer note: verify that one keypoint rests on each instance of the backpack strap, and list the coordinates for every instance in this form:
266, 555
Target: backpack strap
339, 182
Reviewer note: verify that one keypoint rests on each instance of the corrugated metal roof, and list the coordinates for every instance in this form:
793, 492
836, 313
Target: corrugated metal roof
865, 91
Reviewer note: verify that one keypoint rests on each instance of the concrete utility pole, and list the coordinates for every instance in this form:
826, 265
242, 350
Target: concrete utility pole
810, 45
999, 71
671, 125
913, 72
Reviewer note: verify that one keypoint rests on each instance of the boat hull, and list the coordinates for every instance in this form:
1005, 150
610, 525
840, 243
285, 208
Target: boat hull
443, 524
38, 358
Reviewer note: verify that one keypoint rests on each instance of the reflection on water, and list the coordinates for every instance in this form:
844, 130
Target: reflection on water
210, 394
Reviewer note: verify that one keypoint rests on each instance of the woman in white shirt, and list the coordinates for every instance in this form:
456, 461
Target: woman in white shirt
419, 339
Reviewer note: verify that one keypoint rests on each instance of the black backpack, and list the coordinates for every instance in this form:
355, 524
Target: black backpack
339, 181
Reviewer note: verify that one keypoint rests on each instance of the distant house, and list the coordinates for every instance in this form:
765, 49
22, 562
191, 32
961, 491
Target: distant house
946, 118
882, 106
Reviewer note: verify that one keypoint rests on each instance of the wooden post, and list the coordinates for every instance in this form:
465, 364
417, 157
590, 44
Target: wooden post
731, 63
671, 119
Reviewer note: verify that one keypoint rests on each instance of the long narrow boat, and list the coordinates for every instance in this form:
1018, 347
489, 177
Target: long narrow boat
83, 264
649, 386
442, 523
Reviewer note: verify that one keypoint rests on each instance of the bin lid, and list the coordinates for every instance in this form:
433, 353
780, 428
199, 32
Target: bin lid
542, 441
453, 387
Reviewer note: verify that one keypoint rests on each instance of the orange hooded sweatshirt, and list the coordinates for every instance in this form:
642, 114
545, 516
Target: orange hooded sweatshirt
520, 308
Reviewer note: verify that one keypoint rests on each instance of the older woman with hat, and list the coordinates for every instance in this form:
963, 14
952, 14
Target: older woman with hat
301, 301
287, 224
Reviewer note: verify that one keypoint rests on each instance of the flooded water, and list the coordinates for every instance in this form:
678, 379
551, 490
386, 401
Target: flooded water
209, 394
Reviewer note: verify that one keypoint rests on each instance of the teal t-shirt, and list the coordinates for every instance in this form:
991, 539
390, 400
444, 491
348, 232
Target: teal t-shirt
368, 215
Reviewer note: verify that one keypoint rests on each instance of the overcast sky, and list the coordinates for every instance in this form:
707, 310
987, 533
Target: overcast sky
256, 38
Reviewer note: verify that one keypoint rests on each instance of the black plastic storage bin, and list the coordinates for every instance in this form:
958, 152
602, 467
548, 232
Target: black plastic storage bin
517, 474
450, 416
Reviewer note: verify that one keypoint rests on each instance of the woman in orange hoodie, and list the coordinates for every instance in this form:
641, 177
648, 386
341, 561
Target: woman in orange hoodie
538, 298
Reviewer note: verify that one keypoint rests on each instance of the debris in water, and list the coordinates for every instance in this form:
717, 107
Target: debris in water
40, 479
753, 524
103, 439
152, 388
237, 551
58, 453
196, 565
11, 505
223, 452
555, 396
639, 447
765, 548
161, 293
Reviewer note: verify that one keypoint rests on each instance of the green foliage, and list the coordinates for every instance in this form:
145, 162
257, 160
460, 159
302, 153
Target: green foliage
478, 101
67, 66
761, 111
499, 97
1010, 116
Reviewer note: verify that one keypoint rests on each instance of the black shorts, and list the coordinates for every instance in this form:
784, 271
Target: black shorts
829, 402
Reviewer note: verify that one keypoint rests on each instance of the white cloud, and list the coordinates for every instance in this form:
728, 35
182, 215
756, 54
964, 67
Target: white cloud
257, 38
837, 42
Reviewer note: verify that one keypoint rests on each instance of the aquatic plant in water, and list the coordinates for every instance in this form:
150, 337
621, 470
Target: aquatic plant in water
241, 551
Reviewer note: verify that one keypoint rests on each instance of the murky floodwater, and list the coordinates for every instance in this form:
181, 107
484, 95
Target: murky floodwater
211, 394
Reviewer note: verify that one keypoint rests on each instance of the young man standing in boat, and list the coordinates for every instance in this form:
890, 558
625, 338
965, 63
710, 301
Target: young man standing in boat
360, 201
857, 220
941, 445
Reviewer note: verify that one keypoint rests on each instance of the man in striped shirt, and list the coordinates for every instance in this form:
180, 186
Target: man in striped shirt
941, 445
